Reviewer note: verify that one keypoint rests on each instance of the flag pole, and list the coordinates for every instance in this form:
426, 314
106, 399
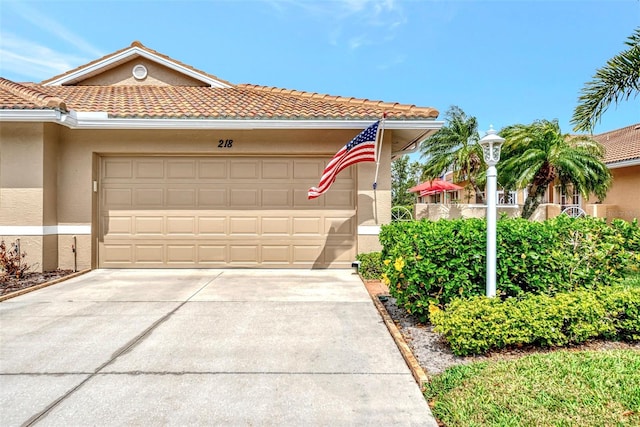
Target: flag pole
379, 151
378, 155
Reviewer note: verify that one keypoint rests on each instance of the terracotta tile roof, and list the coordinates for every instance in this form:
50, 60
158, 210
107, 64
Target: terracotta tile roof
143, 47
243, 101
621, 144
18, 96
240, 102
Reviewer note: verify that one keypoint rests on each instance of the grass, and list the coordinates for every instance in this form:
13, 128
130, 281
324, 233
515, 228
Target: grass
563, 388
632, 279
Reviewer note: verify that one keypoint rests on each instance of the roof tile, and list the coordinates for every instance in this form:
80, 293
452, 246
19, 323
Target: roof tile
242, 101
621, 144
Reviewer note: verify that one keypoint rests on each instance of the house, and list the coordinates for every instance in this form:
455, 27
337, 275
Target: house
137, 160
622, 156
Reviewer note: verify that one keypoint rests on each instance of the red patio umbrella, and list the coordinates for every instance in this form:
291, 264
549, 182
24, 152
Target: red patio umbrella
435, 186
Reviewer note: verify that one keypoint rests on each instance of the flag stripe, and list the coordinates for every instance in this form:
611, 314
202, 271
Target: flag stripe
362, 148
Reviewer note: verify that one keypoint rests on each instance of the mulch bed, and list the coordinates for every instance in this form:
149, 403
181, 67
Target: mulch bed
9, 284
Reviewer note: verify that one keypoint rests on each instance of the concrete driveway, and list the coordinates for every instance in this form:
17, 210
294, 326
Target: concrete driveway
203, 347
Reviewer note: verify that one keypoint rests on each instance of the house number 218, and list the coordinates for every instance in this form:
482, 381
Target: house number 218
225, 143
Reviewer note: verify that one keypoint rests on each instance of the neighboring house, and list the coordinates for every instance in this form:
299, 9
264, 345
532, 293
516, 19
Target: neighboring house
622, 156
138, 160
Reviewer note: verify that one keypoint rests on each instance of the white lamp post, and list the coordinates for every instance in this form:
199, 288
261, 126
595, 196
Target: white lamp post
491, 144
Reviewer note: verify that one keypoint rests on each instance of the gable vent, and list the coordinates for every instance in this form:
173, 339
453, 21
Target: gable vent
139, 72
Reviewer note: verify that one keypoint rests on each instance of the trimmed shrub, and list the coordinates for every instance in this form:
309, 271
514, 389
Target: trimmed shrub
370, 265
427, 262
480, 324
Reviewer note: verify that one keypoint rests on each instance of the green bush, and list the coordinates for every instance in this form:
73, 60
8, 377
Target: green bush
427, 262
480, 324
370, 265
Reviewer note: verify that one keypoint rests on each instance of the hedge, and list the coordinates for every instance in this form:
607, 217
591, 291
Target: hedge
427, 262
480, 324
370, 265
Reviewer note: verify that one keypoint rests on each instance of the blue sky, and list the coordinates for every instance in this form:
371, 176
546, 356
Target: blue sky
505, 62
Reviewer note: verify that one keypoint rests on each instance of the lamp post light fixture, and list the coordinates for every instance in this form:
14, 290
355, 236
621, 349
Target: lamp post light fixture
491, 144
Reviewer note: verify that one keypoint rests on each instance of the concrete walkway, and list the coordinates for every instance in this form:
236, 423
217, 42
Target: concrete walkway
203, 347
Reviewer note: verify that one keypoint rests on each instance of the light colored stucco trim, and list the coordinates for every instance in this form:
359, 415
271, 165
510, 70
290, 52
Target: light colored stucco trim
369, 230
623, 164
127, 55
43, 230
30, 115
101, 120
97, 120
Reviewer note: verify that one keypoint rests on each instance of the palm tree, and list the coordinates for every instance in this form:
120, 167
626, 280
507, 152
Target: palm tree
539, 153
454, 148
404, 175
616, 81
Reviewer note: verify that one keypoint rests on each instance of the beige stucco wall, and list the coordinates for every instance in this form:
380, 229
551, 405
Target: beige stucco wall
68, 186
623, 198
26, 186
374, 207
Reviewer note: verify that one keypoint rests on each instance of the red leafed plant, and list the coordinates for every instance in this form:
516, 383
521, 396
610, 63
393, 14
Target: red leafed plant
12, 261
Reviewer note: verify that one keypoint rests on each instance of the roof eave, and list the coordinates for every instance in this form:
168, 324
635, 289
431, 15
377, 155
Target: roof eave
125, 56
623, 163
30, 115
101, 120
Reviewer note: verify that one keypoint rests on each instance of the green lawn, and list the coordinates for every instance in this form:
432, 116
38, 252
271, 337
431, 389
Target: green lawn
632, 279
562, 388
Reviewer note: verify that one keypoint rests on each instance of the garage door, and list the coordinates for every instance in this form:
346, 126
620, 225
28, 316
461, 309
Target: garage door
210, 212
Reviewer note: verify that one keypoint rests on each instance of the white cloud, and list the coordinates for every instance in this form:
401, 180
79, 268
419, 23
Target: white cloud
387, 63
355, 21
45, 23
25, 58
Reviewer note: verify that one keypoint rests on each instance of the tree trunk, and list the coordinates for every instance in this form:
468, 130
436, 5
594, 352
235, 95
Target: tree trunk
477, 190
533, 200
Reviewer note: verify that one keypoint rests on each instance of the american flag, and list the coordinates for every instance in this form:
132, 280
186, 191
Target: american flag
362, 148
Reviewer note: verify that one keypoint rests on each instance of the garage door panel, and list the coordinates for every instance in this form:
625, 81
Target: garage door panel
212, 198
308, 170
275, 226
307, 226
119, 198
183, 225
208, 225
149, 168
276, 254
117, 169
181, 254
216, 212
244, 169
246, 198
149, 225
244, 253
306, 254
212, 169
118, 225
246, 226
276, 198
148, 197
181, 197
344, 226
212, 254
340, 198
118, 254
276, 169
149, 253
181, 169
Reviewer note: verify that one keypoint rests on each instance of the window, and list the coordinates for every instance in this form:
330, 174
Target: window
511, 198
569, 198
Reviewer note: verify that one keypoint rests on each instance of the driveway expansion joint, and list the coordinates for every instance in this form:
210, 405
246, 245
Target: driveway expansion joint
122, 350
